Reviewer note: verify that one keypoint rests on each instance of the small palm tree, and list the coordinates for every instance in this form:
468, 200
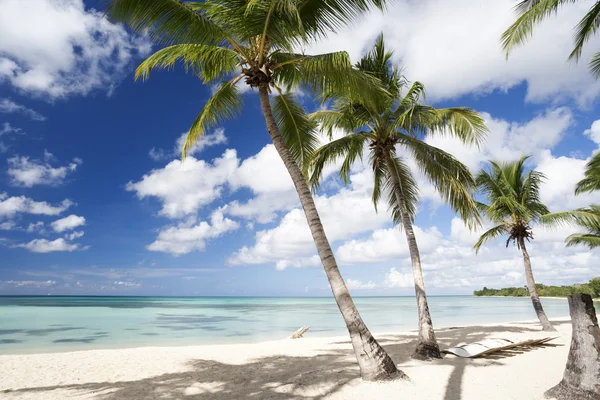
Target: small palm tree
532, 12
228, 41
402, 121
513, 206
591, 180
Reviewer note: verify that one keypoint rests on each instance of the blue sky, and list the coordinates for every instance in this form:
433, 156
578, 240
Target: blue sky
93, 198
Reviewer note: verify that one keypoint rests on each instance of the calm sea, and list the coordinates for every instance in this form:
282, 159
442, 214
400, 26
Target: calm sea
49, 324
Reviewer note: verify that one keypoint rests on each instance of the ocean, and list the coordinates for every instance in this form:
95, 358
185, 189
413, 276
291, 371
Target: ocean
64, 323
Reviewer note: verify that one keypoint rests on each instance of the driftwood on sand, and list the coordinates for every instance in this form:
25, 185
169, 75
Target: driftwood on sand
581, 380
298, 334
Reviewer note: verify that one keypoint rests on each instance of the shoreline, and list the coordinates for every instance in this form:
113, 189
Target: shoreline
310, 368
333, 337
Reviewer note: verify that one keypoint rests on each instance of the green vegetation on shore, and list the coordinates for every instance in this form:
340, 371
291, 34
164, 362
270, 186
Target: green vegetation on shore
592, 288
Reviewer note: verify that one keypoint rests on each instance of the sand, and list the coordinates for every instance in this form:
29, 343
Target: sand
309, 368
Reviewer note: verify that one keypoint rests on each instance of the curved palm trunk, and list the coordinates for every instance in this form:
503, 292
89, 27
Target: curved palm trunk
427, 348
537, 304
374, 362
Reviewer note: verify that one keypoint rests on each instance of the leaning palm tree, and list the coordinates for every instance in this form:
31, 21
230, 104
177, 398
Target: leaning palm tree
591, 180
514, 204
402, 122
532, 12
253, 42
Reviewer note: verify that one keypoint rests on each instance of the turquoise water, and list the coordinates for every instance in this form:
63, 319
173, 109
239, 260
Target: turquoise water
49, 324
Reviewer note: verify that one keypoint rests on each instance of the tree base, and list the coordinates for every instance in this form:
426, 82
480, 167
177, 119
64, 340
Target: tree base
427, 352
562, 392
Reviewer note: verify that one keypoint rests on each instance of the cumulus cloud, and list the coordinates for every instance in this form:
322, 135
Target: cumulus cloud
9, 106
7, 226
35, 284
185, 186
398, 279
36, 227
65, 49
10, 206
210, 139
452, 61
48, 246
67, 223
290, 244
74, 235
28, 173
189, 236
355, 284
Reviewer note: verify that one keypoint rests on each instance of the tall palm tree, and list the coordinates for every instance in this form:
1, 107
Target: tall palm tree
255, 41
532, 12
514, 204
402, 121
591, 180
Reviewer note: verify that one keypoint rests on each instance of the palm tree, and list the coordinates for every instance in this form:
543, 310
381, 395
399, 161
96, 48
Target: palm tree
591, 180
513, 206
532, 12
402, 121
230, 40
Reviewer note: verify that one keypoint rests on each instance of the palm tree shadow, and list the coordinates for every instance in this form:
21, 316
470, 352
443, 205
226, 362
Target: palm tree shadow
278, 377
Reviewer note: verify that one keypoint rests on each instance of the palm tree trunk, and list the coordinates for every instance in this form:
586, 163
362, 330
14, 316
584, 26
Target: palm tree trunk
537, 304
374, 362
427, 348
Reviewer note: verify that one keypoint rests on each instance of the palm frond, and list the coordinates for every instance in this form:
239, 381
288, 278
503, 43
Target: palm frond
591, 180
594, 65
166, 21
224, 104
586, 28
462, 122
350, 147
532, 12
208, 62
329, 120
589, 240
297, 130
451, 178
399, 179
490, 235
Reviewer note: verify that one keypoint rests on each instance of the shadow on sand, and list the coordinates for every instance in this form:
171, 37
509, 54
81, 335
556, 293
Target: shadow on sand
279, 377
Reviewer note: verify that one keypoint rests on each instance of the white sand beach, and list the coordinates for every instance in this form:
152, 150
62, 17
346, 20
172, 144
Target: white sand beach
309, 368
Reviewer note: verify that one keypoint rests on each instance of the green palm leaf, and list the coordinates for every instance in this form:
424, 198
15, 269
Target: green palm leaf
490, 235
297, 130
224, 104
350, 147
450, 177
166, 21
591, 181
208, 62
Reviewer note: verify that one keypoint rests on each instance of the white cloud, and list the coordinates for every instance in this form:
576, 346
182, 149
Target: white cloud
355, 284
47, 246
184, 187
9, 106
594, 132
128, 284
35, 227
67, 223
36, 284
385, 244
189, 236
65, 49
266, 176
10, 206
210, 139
7, 226
434, 41
290, 244
24, 172
398, 279
8, 128
74, 235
